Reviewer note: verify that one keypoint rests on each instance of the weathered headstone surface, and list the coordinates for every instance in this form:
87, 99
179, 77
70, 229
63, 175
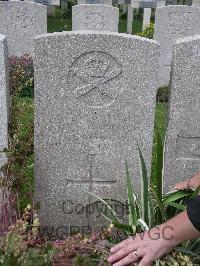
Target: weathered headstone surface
94, 101
182, 158
21, 22
95, 2
4, 100
196, 3
95, 17
172, 23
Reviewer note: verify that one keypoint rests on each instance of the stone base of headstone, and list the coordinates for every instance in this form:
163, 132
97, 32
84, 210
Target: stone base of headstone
95, 17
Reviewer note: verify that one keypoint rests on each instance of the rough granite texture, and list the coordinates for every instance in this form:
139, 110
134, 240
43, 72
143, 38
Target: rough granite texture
21, 22
95, 17
172, 23
100, 2
95, 98
196, 3
4, 99
183, 138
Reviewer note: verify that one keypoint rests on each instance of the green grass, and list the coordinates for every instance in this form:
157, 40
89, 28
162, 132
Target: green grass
161, 118
64, 23
21, 154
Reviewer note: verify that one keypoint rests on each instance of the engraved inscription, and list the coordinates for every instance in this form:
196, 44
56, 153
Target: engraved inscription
179, 22
23, 17
94, 21
95, 78
188, 148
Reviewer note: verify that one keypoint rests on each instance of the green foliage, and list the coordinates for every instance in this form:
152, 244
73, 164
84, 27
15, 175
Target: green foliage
19, 247
154, 205
21, 76
21, 159
19, 170
148, 32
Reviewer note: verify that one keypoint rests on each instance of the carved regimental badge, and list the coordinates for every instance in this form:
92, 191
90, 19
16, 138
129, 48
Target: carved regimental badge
179, 22
95, 78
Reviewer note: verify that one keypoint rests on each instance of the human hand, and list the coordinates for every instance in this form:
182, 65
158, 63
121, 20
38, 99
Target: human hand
145, 248
191, 183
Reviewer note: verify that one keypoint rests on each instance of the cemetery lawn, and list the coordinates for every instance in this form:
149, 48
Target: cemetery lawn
61, 22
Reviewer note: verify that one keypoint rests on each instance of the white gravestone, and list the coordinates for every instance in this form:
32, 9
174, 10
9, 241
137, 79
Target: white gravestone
93, 104
182, 154
21, 22
130, 20
172, 23
95, 17
146, 18
95, 2
147, 6
4, 99
196, 3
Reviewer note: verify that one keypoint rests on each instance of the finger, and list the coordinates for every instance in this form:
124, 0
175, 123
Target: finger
131, 258
121, 245
122, 252
182, 185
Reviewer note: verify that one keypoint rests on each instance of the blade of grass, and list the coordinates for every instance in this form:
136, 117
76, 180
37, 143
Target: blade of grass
144, 188
157, 178
112, 212
175, 205
177, 195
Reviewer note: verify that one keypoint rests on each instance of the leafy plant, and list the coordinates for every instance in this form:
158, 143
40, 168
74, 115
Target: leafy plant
21, 76
154, 207
20, 246
148, 32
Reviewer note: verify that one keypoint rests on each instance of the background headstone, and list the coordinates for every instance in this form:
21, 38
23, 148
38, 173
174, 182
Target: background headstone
196, 3
4, 100
94, 101
130, 20
146, 18
172, 23
95, 2
20, 22
147, 6
95, 17
182, 153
